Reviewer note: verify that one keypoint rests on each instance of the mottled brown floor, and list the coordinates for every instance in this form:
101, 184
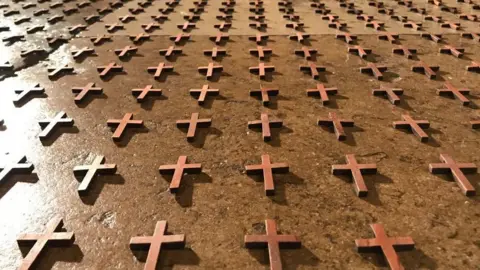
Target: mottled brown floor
218, 207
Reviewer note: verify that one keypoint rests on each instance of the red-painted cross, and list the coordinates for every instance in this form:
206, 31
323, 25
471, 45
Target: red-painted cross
178, 170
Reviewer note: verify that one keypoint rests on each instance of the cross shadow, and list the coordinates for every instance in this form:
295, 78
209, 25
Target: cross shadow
333, 100
83, 57
216, 76
127, 57
89, 98
220, 57
173, 57
389, 76
372, 196
201, 135
281, 181
269, 76
170, 257
128, 135
60, 75
28, 98
414, 259
148, 102
291, 258
322, 76
273, 104
372, 58
57, 133
403, 102
51, 255
275, 141
163, 77
8, 183
97, 184
111, 75
184, 196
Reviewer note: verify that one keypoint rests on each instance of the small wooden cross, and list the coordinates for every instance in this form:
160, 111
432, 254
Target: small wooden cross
121, 124
453, 91
258, 38
258, 18
299, 37
192, 125
56, 72
429, 71
208, 70
34, 28
160, 18
139, 38
434, 37
170, 51
457, 52
127, 18
374, 70
159, 69
53, 237
265, 124
155, 243
219, 38
356, 171
391, 93
258, 25
337, 124
215, 52
273, 242
88, 172
349, 39
267, 169
474, 36
458, 171
11, 168
23, 94
452, 25
387, 245
409, 53
85, 90
475, 124
400, 18
416, 126
264, 93
474, 67
337, 25
312, 69
360, 51
306, 53
49, 125
261, 69
178, 170
322, 92
150, 27
202, 94
186, 26
126, 51
100, 40
392, 38
113, 27
260, 52
111, 67
223, 26
375, 25
437, 19
414, 25
295, 25
143, 93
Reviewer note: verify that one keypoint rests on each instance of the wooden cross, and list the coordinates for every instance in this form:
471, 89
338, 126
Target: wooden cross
224, 17
291, 17
330, 18
14, 38
349, 39
401, 18
306, 53
142, 94
223, 26
155, 243
312, 69
139, 38
21, 20
375, 70
20, 167
360, 51
159, 69
429, 71
267, 169
260, 52
458, 171
208, 70
178, 170
7, 66
261, 69
85, 90
375, 25
323, 11
265, 124
299, 37
294, 25
32, 52
104, 10
76, 54
219, 38
322, 92
226, 10
392, 38
203, 93
409, 53
418, 10
452, 25
56, 41
55, 72
161, 18
192, 125
25, 93
126, 51
337, 124
414, 25
165, 10
387, 245
150, 27
475, 124
127, 18
70, 10
474, 36
387, 11
273, 242
186, 26
337, 25
215, 52
453, 91
391, 93
416, 126
196, 10
264, 93
434, 37
258, 25
54, 237
364, 17
35, 28
356, 171
122, 124
100, 40
136, 10
258, 38
49, 125
90, 171
111, 67
258, 18
229, 3
474, 67
113, 27
170, 51
437, 19
457, 52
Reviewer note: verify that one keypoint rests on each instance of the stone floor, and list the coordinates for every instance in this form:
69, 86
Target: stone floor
216, 208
